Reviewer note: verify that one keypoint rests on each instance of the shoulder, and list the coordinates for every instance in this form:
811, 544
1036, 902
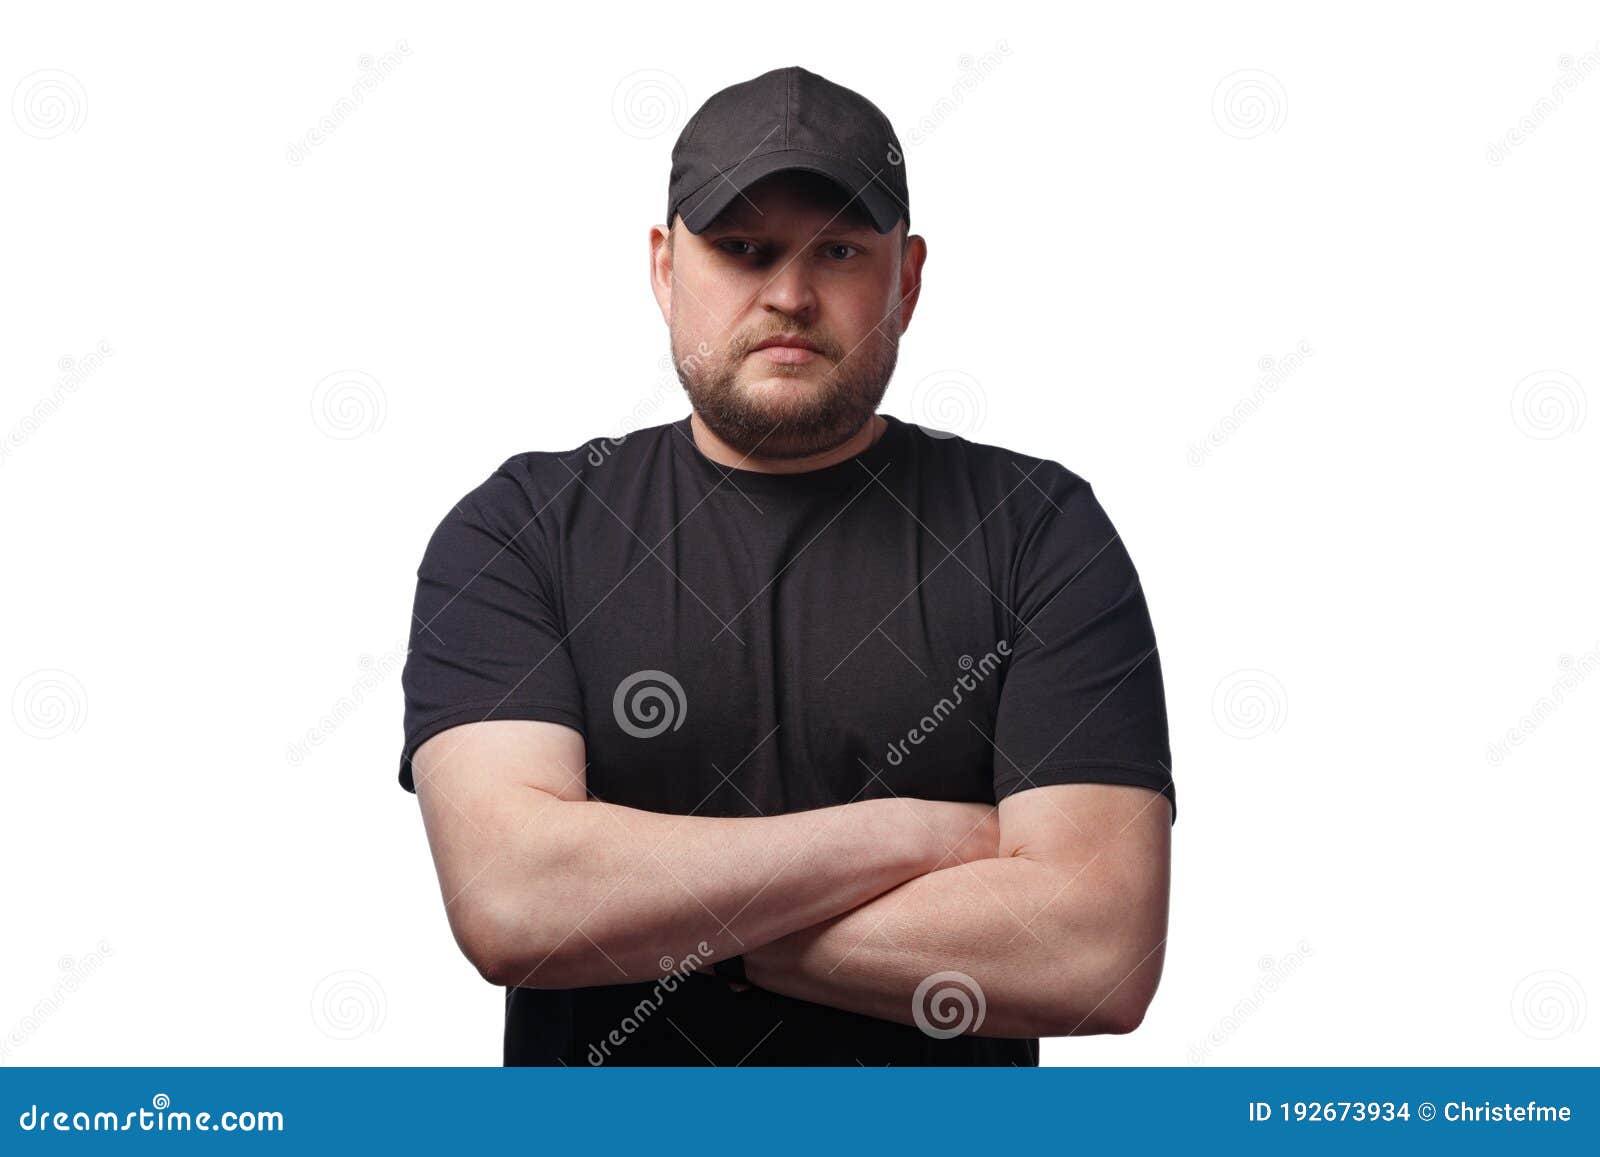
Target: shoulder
1020, 486
534, 482
532, 494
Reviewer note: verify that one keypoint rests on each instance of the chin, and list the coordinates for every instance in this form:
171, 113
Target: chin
769, 386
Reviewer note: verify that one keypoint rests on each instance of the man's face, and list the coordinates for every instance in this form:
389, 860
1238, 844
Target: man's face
790, 259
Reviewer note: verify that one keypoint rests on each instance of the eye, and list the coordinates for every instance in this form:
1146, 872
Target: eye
833, 251
750, 249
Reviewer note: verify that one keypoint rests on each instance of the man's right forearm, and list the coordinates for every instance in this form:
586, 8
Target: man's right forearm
594, 893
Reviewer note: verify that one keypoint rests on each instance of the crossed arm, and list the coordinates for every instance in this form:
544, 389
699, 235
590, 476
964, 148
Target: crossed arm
1062, 932
1054, 904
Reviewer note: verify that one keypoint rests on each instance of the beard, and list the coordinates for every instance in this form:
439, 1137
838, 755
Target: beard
771, 418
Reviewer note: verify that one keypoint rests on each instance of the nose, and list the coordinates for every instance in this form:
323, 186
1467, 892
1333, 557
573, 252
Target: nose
789, 291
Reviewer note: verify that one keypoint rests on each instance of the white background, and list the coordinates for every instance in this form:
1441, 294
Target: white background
1369, 580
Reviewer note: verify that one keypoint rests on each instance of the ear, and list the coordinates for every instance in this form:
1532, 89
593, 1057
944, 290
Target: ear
661, 269
910, 287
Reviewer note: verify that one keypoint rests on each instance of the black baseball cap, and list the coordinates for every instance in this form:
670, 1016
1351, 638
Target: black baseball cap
788, 118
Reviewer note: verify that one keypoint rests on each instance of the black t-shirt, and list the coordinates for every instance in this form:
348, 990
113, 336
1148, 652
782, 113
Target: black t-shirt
934, 618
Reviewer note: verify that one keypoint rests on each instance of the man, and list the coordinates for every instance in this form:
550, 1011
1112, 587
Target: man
789, 732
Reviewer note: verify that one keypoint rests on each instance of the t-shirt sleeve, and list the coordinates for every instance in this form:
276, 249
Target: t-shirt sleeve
1082, 700
486, 637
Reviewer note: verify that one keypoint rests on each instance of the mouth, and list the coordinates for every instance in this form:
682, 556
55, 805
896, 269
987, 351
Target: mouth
789, 351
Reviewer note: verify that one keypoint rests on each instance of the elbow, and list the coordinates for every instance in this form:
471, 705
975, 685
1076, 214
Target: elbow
506, 949
1109, 998
502, 972
510, 926
512, 958
482, 936
1128, 989
1123, 1018
496, 965
1110, 1017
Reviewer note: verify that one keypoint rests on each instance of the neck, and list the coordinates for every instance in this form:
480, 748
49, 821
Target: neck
723, 454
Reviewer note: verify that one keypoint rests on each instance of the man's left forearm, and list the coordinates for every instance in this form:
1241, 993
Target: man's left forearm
1054, 951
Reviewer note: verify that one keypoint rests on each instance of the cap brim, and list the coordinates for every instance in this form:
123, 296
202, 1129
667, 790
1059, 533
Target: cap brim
702, 206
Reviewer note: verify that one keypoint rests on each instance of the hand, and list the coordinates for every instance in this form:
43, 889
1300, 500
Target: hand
736, 985
756, 958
